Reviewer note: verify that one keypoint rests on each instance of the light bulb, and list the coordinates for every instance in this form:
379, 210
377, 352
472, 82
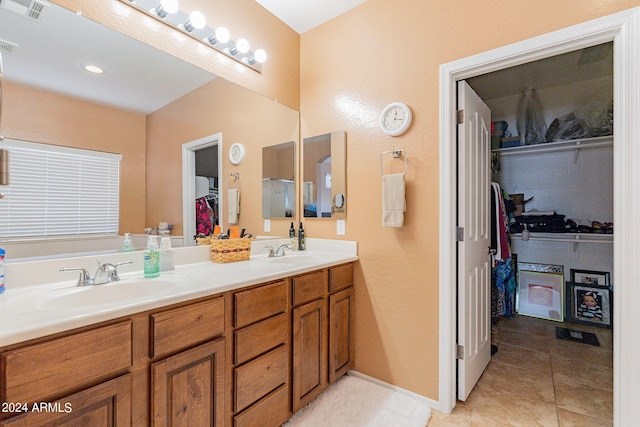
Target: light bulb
242, 45
222, 35
197, 19
170, 6
165, 7
260, 56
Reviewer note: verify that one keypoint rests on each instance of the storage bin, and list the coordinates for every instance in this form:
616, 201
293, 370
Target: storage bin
230, 250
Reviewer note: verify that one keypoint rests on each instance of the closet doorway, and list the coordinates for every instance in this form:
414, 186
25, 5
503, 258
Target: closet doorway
565, 172
621, 29
200, 187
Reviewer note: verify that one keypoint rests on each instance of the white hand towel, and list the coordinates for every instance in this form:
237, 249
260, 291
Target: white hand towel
393, 200
234, 205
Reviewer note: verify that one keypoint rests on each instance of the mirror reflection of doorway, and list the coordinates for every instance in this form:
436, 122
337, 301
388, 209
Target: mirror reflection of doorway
317, 177
323, 196
207, 213
208, 151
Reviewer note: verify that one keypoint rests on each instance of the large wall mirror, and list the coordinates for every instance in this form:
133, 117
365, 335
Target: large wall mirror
324, 183
145, 105
278, 181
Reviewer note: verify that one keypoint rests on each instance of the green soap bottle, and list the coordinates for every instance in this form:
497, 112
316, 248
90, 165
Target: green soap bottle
151, 258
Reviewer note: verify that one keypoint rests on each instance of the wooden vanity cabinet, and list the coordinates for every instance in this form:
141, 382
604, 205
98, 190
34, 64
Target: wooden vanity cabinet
309, 352
105, 405
309, 336
323, 341
341, 321
261, 355
243, 358
77, 385
188, 387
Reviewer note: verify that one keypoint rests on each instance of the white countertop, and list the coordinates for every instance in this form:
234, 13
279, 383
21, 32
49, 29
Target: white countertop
37, 310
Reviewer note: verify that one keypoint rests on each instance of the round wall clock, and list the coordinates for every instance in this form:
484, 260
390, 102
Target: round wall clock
236, 153
395, 119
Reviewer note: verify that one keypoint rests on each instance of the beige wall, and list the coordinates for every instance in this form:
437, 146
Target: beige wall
351, 68
35, 115
241, 116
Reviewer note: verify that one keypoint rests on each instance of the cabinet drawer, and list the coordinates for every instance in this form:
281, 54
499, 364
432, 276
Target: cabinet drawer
309, 287
182, 327
260, 303
56, 367
340, 277
273, 410
260, 337
257, 378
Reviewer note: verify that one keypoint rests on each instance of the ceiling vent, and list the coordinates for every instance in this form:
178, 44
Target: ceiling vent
8, 47
32, 9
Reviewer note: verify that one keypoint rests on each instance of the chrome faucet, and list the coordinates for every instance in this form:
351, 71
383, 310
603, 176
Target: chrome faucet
286, 245
106, 273
278, 252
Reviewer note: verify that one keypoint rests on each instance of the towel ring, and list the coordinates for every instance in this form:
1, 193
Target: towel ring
396, 154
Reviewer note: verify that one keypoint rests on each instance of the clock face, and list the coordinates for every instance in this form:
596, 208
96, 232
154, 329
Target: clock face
395, 119
236, 153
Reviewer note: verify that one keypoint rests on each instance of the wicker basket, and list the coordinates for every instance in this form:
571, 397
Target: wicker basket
230, 250
203, 241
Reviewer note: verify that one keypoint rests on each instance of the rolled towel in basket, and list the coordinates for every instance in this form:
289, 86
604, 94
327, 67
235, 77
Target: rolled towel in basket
393, 200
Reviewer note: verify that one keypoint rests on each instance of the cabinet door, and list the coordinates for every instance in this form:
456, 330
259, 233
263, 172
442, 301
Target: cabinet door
105, 405
188, 389
309, 352
341, 333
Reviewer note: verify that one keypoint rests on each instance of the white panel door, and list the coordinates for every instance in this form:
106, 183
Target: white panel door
474, 260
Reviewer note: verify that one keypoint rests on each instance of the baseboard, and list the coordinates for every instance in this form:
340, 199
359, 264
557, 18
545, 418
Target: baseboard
431, 403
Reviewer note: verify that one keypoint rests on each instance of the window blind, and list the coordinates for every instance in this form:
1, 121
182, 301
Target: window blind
57, 192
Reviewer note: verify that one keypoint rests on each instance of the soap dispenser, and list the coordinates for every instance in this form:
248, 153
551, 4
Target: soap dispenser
301, 243
151, 258
127, 244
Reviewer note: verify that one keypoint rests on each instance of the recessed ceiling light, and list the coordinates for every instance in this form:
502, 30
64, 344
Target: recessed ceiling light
93, 69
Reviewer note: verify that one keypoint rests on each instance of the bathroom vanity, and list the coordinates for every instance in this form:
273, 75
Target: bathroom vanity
240, 344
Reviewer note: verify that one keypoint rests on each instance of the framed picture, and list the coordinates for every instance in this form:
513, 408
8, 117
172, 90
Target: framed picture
589, 305
541, 291
597, 278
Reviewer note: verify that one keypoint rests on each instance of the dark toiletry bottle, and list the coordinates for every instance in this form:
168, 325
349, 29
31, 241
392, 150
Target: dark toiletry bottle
292, 231
301, 238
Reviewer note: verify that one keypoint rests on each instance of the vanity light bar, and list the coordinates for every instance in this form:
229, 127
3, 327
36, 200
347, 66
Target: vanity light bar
194, 25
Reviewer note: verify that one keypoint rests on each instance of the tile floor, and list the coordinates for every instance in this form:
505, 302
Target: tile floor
536, 379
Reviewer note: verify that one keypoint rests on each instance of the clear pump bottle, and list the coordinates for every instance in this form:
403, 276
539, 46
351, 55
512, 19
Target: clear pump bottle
293, 238
127, 244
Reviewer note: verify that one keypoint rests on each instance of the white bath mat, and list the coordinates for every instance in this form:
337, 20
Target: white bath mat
355, 402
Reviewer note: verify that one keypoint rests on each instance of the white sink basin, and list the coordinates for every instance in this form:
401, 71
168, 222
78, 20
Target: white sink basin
101, 295
288, 258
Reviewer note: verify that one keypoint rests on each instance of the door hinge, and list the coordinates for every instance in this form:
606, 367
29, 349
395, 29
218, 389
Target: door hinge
460, 352
460, 234
460, 114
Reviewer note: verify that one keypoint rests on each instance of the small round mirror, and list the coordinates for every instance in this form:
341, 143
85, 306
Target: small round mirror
338, 200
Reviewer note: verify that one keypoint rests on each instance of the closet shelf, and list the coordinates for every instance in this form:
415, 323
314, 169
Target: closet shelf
573, 144
566, 237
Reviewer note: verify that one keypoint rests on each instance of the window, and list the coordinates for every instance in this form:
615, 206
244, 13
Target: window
57, 192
